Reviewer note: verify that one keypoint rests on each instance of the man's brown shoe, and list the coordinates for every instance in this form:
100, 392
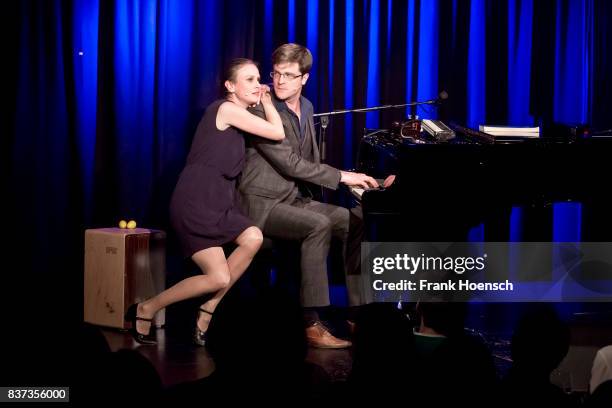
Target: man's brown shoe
351, 326
319, 336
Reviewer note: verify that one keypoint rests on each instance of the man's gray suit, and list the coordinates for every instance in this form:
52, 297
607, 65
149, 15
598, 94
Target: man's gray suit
275, 194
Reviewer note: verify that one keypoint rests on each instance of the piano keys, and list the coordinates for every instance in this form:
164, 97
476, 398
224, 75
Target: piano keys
357, 192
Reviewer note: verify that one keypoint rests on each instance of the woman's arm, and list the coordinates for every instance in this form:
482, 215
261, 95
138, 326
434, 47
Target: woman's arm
271, 128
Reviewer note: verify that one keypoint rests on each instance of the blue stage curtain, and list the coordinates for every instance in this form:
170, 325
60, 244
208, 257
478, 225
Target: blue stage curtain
106, 95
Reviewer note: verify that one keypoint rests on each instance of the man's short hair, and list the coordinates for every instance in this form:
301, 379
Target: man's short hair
293, 53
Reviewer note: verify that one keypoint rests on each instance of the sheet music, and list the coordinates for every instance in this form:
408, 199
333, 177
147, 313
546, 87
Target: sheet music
510, 131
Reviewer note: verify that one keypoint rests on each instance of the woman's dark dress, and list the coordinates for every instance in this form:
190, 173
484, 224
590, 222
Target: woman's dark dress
204, 209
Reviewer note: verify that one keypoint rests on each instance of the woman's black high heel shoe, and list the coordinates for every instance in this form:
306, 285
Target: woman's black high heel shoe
199, 337
131, 316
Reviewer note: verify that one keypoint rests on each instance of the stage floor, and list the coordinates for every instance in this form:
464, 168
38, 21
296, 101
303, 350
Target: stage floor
177, 360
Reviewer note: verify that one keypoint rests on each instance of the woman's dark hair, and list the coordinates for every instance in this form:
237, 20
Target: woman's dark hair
231, 71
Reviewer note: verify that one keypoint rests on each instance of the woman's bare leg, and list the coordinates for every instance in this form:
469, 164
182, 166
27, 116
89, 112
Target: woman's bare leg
249, 242
216, 278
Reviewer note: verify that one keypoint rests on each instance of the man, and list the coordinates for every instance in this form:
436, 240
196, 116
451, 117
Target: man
276, 195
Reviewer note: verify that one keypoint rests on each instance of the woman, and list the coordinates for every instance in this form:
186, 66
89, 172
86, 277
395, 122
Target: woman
204, 211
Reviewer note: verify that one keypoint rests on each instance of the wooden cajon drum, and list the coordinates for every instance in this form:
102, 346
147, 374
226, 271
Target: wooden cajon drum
122, 266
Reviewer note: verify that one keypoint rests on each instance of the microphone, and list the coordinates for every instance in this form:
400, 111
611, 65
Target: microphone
442, 96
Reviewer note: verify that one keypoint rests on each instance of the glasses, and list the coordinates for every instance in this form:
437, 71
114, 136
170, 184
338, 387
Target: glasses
287, 76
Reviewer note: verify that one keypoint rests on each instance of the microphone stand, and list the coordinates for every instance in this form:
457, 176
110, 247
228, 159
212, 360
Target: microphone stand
324, 123
325, 117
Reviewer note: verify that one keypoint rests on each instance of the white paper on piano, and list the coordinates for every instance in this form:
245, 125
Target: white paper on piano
508, 131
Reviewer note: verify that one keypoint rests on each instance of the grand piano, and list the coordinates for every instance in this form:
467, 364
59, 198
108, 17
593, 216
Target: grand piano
444, 188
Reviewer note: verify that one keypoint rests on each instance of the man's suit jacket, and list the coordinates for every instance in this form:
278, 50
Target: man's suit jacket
272, 168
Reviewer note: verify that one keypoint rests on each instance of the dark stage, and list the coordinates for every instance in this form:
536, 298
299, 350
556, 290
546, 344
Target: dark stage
492, 119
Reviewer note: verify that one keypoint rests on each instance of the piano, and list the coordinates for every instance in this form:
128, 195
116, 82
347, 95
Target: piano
446, 187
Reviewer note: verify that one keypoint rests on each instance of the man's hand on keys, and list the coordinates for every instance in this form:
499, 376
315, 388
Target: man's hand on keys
357, 180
